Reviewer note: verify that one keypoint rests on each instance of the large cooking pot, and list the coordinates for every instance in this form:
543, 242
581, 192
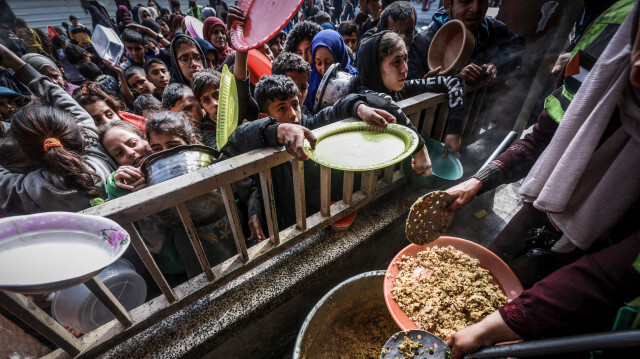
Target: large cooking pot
351, 320
334, 85
177, 161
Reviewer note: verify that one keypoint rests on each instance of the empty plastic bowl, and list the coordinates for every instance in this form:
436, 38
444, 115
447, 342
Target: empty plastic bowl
451, 47
78, 308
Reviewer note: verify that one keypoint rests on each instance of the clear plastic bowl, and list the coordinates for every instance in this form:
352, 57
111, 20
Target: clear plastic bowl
78, 308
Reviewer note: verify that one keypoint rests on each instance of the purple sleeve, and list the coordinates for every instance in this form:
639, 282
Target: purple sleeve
580, 298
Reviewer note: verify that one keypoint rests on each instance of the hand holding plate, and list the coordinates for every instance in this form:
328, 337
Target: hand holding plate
292, 137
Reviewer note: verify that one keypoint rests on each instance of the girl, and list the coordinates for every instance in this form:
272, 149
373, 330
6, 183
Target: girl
382, 61
215, 31
187, 58
72, 167
104, 108
46, 67
327, 48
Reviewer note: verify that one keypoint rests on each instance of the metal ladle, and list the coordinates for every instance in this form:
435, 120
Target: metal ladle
427, 219
573, 344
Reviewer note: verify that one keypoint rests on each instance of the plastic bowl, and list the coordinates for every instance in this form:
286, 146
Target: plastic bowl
451, 47
500, 271
78, 308
45, 252
194, 26
443, 169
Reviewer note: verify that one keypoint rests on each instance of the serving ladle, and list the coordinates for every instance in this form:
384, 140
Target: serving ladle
543, 347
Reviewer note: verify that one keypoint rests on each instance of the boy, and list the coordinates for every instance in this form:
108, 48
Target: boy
300, 37
179, 98
78, 32
349, 32
294, 66
206, 84
137, 80
146, 106
135, 47
158, 74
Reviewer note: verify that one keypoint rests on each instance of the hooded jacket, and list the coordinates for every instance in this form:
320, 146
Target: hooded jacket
177, 75
371, 82
494, 43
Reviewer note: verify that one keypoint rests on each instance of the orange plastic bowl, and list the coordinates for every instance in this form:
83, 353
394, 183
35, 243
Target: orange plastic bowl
451, 47
501, 272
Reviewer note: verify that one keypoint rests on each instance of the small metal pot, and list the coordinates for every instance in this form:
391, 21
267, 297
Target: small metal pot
177, 161
334, 85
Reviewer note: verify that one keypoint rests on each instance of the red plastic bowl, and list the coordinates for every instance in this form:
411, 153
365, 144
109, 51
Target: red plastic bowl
501, 272
264, 19
259, 65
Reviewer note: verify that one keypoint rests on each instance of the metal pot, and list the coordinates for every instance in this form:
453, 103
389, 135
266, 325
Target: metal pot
334, 85
177, 161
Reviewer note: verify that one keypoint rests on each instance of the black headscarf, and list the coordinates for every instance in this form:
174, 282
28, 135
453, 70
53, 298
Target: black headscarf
368, 64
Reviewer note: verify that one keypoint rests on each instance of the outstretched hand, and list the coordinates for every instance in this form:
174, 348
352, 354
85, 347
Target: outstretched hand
374, 115
235, 14
292, 137
255, 228
463, 193
454, 143
421, 163
129, 177
433, 72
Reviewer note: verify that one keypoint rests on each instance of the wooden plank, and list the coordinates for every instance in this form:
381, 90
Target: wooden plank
107, 298
475, 111
234, 220
427, 123
298, 193
347, 186
148, 261
195, 241
369, 180
266, 182
388, 173
325, 191
36, 318
441, 122
468, 105
420, 102
414, 118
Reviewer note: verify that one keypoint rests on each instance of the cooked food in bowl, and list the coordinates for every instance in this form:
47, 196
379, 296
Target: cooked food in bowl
443, 290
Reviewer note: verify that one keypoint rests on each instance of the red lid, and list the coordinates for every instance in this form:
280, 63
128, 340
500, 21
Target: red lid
259, 65
138, 121
265, 18
52, 31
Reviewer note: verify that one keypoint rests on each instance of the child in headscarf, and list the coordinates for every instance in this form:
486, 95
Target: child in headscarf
327, 48
215, 31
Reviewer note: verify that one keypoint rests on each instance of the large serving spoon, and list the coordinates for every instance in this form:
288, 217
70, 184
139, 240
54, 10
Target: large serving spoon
397, 345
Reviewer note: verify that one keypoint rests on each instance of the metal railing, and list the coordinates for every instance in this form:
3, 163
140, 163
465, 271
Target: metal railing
425, 111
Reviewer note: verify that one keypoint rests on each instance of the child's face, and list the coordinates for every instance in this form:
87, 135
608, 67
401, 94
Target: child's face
190, 60
127, 148
54, 75
136, 51
393, 69
190, 105
159, 76
302, 81
209, 101
101, 113
164, 141
304, 50
140, 83
285, 111
323, 58
351, 41
7, 106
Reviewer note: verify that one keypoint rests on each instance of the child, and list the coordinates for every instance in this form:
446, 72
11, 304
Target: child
137, 80
293, 66
299, 39
146, 106
205, 88
100, 106
73, 168
8, 105
158, 74
135, 48
179, 98
187, 58
277, 43
382, 60
46, 67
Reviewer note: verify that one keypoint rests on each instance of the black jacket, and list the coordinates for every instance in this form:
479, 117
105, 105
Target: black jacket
371, 82
263, 133
494, 43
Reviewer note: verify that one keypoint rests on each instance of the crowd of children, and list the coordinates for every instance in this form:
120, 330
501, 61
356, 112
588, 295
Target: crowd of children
76, 128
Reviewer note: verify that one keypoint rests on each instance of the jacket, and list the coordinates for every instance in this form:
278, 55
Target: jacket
494, 43
371, 82
40, 190
263, 133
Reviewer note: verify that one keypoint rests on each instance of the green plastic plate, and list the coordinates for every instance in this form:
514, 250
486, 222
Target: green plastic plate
359, 146
227, 108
